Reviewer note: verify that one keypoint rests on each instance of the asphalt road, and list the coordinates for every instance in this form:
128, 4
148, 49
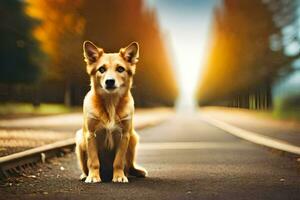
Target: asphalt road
20, 134
259, 122
186, 159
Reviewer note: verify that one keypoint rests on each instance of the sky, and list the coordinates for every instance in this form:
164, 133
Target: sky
187, 25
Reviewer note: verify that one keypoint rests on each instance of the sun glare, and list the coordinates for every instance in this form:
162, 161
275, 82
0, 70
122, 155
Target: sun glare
188, 38
189, 50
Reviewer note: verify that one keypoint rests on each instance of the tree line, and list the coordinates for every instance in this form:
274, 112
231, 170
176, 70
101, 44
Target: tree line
57, 29
247, 53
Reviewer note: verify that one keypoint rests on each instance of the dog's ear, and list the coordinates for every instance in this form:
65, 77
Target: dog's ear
91, 52
130, 53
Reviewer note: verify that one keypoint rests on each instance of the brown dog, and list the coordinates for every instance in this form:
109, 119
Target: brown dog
108, 111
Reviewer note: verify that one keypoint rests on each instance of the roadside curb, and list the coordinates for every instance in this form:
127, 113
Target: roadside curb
254, 137
14, 164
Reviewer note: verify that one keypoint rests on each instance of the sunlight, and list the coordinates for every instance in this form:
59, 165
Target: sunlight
188, 38
189, 50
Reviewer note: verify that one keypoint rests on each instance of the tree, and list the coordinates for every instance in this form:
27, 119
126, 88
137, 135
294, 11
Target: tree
286, 19
60, 36
18, 48
65, 24
241, 59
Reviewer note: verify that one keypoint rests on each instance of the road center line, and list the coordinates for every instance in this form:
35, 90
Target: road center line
188, 145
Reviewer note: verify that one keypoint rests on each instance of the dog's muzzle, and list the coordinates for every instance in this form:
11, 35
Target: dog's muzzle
110, 84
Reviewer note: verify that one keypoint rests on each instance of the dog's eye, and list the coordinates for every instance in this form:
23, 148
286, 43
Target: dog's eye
120, 69
102, 69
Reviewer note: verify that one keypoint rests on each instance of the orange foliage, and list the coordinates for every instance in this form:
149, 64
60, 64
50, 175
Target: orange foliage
59, 22
240, 56
65, 24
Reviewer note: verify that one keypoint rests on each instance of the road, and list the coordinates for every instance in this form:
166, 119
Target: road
259, 122
25, 133
186, 159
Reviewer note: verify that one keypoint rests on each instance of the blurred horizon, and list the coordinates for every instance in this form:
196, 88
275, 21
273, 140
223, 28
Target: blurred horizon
188, 34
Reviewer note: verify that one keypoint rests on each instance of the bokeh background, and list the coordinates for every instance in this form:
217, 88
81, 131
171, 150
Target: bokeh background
229, 53
253, 59
41, 51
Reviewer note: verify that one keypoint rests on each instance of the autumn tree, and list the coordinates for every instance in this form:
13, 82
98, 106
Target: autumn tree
241, 61
59, 33
65, 24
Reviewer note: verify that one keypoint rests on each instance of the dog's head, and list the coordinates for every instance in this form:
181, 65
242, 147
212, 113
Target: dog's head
111, 72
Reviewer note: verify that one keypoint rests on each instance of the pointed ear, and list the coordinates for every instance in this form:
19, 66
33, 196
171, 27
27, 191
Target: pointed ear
91, 52
130, 53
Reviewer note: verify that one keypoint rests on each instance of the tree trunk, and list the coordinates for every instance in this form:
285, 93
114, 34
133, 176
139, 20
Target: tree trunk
269, 95
67, 96
36, 101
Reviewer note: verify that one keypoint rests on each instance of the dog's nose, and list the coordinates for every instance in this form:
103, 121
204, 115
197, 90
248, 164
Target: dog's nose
110, 83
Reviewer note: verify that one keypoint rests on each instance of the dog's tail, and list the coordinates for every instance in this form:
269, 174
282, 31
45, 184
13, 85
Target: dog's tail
109, 141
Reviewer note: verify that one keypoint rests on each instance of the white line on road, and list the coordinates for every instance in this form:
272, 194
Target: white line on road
253, 137
187, 145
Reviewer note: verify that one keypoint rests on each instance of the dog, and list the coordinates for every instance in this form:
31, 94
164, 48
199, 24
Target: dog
108, 110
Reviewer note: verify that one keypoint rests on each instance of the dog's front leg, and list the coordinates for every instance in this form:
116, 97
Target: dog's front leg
119, 162
93, 160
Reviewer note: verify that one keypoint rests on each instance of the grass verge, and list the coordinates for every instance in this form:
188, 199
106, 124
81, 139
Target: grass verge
26, 109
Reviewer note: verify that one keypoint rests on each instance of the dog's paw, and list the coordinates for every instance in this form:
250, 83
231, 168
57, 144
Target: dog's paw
120, 178
82, 177
92, 179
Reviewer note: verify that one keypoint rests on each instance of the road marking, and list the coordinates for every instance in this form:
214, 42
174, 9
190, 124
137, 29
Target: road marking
188, 145
253, 137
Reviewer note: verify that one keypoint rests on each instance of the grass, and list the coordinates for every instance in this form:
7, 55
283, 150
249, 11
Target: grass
282, 110
26, 109
285, 110
291, 114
